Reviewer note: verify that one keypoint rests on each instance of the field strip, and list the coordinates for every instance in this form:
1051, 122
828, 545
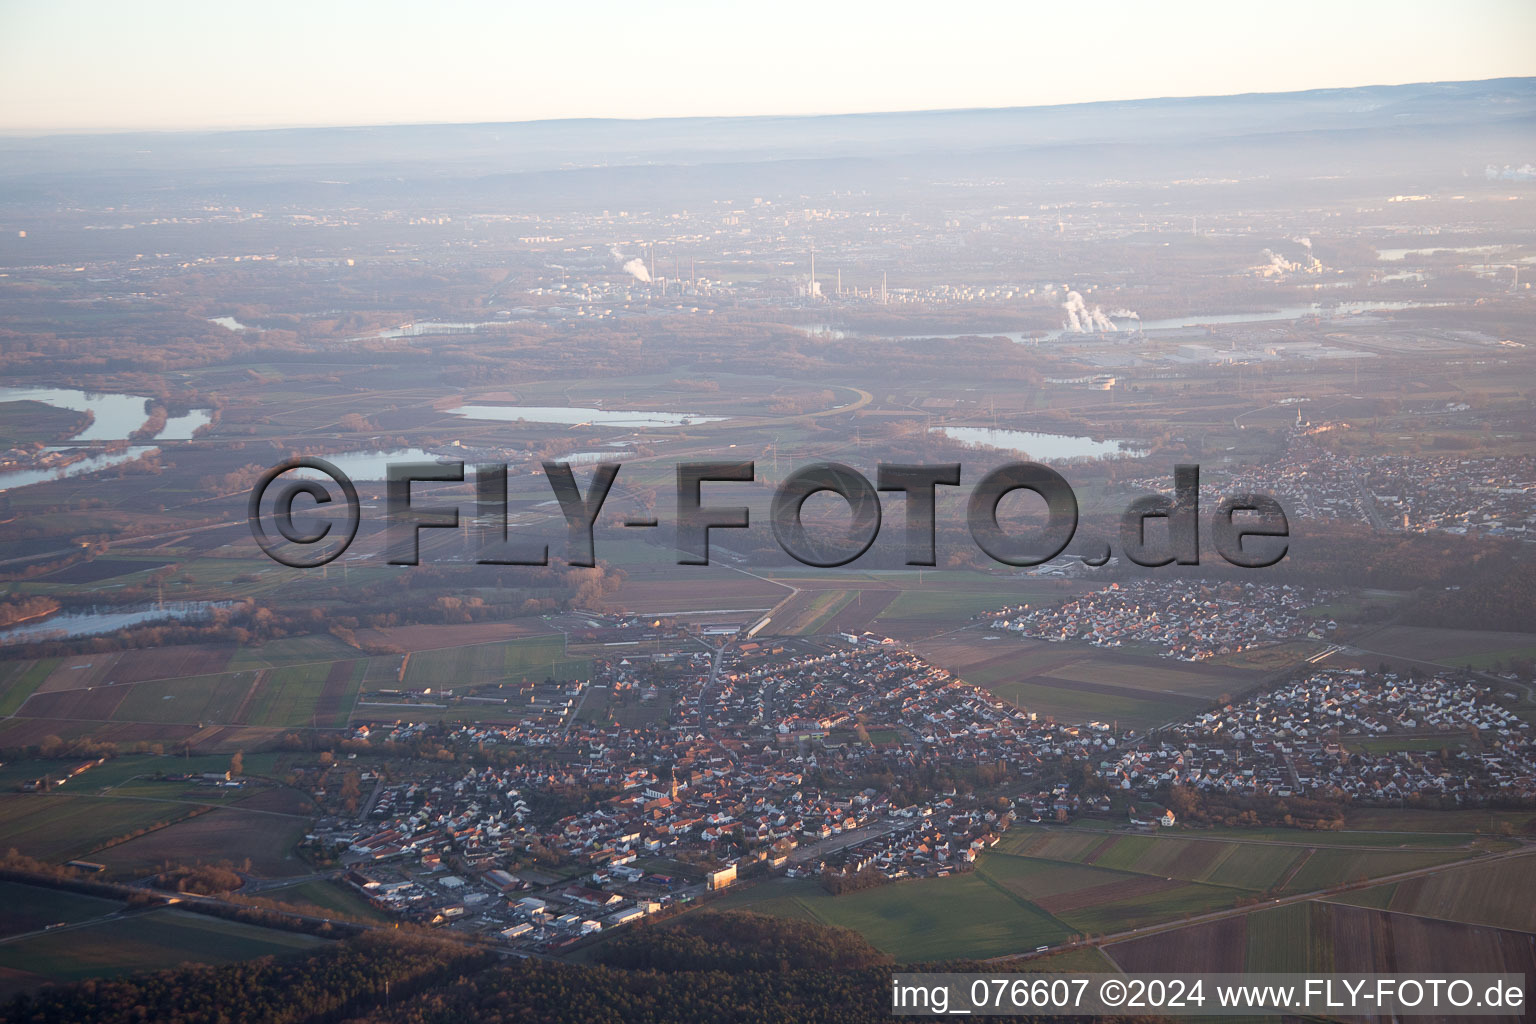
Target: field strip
1427, 917
811, 911
188, 803
242, 715
1295, 868
1125, 871
1025, 902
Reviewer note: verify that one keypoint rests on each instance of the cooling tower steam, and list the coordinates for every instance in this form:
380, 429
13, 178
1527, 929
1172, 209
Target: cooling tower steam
1081, 319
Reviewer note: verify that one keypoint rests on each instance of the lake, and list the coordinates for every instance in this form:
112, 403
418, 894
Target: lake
117, 416
94, 622
1039, 447
575, 416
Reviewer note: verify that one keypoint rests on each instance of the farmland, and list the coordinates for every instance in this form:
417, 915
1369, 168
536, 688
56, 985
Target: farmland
318, 896
1259, 865
1314, 936
55, 827
251, 695
137, 942
32, 908
226, 833
1474, 894
1040, 886
1077, 682
930, 919
531, 659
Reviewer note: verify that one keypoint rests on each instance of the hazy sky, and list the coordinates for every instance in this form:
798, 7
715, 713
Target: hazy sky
70, 65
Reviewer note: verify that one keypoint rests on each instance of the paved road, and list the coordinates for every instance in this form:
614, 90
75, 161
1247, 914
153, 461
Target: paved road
833, 844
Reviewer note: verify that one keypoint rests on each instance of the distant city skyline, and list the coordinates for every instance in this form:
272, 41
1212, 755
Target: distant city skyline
73, 66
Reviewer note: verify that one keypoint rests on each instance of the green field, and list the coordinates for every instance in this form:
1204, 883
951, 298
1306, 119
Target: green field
1331, 867
531, 659
1283, 939
1167, 905
297, 650
1075, 706
56, 827
190, 699
31, 908
945, 607
1259, 865
1474, 894
139, 941
328, 897
19, 680
922, 920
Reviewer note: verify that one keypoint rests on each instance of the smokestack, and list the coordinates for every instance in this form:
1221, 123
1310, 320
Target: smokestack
883, 298
811, 289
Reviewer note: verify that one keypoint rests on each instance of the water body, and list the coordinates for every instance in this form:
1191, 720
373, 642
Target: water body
372, 465
573, 416
1039, 447
95, 463
428, 327
94, 622
1392, 255
1128, 325
117, 416
587, 458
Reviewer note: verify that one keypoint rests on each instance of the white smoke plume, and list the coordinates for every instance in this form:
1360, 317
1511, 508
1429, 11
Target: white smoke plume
1081, 319
635, 267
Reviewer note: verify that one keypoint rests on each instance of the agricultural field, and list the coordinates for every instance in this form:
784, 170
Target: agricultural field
318, 896
138, 695
528, 660
830, 611
672, 590
1315, 936
1487, 822
1048, 884
267, 839
138, 941
915, 921
1079, 683
31, 908
19, 680
1456, 648
1326, 868
1474, 894
55, 827
1296, 863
